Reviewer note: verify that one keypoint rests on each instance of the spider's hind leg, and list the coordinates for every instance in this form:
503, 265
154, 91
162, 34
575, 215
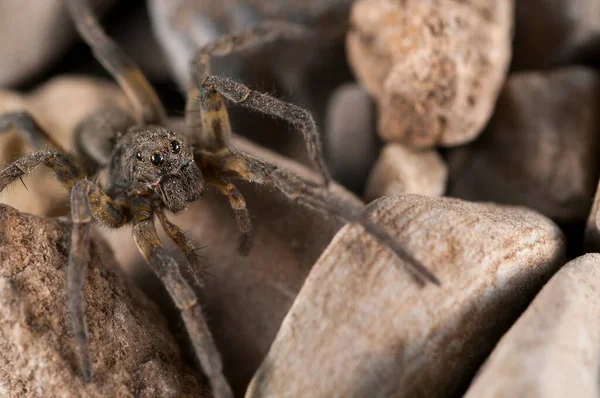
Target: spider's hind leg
28, 127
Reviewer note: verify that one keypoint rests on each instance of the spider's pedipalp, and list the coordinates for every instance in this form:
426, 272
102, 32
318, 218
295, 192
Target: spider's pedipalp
148, 107
167, 269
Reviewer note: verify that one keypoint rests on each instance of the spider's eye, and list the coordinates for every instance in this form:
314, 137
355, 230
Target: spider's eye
157, 159
175, 147
139, 156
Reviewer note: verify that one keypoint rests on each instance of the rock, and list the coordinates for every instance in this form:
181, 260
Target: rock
58, 106
592, 227
33, 35
402, 170
563, 34
435, 67
133, 351
246, 298
552, 350
360, 327
541, 147
351, 141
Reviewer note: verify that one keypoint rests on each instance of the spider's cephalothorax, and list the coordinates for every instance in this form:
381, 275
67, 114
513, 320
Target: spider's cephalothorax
151, 169
157, 159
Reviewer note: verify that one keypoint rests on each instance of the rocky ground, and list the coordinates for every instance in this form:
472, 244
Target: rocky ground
470, 129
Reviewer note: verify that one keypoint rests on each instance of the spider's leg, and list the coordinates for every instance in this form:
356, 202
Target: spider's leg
87, 199
167, 269
65, 170
185, 245
297, 116
317, 198
97, 134
27, 126
206, 116
148, 107
238, 204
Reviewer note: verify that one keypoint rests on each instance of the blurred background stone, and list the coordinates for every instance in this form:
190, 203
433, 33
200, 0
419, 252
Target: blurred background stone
434, 67
552, 33
134, 353
34, 35
552, 350
403, 170
361, 327
541, 149
352, 143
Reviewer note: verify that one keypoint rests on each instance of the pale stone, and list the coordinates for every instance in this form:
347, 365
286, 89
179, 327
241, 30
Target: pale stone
435, 67
403, 170
360, 327
552, 350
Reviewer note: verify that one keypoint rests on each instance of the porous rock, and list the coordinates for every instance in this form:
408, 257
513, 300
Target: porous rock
552, 350
566, 32
58, 106
33, 35
133, 351
351, 141
540, 148
435, 67
361, 327
403, 170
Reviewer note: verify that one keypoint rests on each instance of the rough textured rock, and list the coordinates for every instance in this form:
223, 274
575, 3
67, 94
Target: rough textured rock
134, 353
58, 106
246, 298
563, 33
351, 141
34, 34
552, 350
402, 170
540, 148
360, 327
435, 67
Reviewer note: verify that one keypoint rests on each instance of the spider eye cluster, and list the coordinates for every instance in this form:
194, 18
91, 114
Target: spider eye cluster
157, 158
175, 146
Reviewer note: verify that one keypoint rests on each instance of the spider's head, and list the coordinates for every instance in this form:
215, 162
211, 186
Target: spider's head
165, 163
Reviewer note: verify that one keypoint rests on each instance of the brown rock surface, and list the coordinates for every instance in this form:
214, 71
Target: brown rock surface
360, 327
562, 34
435, 67
541, 148
134, 353
402, 170
552, 350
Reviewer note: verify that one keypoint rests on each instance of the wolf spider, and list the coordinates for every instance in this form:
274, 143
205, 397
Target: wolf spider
152, 169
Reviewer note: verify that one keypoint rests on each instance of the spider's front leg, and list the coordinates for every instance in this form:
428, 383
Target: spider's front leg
87, 201
167, 269
28, 127
318, 198
206, 114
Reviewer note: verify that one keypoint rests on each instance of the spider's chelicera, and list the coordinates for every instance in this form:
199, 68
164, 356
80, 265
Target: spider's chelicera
150, 169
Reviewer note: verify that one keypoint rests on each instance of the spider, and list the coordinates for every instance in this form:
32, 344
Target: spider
152, 170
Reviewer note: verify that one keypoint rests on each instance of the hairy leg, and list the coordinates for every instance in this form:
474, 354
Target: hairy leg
87, 199
148, 107
317, 198
206, 115
185, 245
65, 170
167, 269
27, 126
297, 116
238, 204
